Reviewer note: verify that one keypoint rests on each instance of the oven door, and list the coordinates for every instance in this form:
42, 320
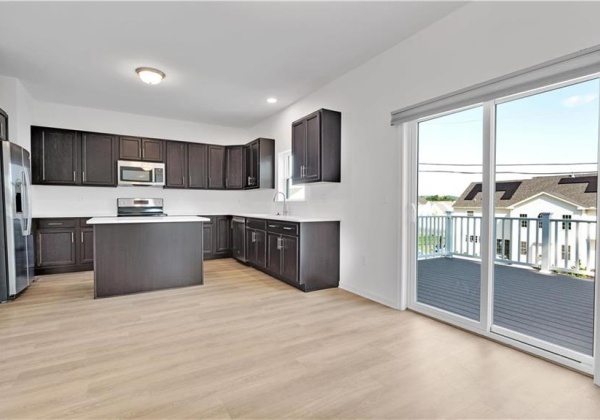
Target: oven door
138, 174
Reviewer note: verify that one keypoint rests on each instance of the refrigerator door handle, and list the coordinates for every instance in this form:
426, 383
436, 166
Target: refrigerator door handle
27, 185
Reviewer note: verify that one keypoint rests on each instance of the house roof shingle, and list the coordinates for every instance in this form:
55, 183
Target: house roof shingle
579, 190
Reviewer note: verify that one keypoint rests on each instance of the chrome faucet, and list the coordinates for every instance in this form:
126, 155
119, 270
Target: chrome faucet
285, 210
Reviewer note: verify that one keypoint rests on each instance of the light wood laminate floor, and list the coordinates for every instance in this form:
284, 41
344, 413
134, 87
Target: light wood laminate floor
245, 345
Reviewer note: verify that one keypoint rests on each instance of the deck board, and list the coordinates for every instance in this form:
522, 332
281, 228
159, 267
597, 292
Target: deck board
555, 308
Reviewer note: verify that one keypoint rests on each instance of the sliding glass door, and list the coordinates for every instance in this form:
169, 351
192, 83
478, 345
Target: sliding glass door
545, 217
448, 242
504, 232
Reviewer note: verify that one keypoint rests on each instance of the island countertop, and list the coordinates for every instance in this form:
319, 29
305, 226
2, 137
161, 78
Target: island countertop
140, 219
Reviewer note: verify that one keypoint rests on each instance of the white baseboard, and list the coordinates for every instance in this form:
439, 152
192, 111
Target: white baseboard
357, 290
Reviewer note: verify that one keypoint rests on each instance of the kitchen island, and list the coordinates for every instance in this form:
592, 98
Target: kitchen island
141, 254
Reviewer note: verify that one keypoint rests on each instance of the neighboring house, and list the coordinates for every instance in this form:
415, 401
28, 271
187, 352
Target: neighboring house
569, 201
434, 208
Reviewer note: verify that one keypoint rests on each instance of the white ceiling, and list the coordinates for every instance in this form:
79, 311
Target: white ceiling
222, 60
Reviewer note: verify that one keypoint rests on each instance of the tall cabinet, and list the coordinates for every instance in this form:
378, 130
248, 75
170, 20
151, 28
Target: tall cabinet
316, 147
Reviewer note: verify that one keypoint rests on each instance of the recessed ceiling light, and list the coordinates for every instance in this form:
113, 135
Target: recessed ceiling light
272, 100
150, 75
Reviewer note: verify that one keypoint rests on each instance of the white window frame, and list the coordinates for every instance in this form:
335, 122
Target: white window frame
408, 133
284, 178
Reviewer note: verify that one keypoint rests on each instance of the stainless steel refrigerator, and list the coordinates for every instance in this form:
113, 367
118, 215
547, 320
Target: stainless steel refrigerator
16, 241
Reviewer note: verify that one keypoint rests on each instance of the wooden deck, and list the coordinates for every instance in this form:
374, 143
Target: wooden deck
555, 308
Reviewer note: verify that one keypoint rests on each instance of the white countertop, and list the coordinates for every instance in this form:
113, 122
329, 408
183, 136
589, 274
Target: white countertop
139, 219
115, 219
288, 218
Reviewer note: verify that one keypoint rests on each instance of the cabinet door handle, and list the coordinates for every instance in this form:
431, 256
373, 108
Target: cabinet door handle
272, 226
182, 181
279, 243
83, 176
81, 236
74, 176
226, 182
72, 238
288, 228
189, 180
55, 224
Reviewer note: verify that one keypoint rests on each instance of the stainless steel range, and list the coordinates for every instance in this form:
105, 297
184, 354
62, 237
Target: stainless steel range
140, 207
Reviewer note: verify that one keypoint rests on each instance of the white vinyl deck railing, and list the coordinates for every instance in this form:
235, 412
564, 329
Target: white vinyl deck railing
566, 245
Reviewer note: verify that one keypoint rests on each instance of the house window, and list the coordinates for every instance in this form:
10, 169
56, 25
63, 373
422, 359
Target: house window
523, 248
566, 225
562, 252
470, 213
503, 245
284, 179
523, 222
540, 222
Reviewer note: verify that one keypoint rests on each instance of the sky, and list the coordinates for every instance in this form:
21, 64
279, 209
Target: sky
542, 133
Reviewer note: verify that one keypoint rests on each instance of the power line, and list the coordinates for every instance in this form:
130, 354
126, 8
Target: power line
504, 172
510, 164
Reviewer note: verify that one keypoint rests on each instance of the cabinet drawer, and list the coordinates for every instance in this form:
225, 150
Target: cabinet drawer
285, 228
256, 224
56, 223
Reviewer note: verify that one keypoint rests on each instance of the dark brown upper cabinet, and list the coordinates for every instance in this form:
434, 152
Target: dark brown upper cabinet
216, 167
197, 165
3, 125
234, 178
98, 157
152, 150
176, 165
65, 157
55, 156
259, 159
69, 157
316, 147
136, 148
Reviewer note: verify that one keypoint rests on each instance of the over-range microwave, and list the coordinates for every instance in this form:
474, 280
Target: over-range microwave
150, 174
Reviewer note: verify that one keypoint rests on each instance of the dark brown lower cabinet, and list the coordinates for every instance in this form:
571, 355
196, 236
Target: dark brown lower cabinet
63, 245
238, 238
305, 255
282, 257
207, 240
217, 237
56, 247
86, 236
256, 247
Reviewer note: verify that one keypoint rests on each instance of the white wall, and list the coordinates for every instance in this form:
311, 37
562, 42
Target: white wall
86, 201
17, 103
478, 42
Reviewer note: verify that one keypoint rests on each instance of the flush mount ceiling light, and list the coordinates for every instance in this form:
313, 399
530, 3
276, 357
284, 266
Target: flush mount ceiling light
272, 100
150, 75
